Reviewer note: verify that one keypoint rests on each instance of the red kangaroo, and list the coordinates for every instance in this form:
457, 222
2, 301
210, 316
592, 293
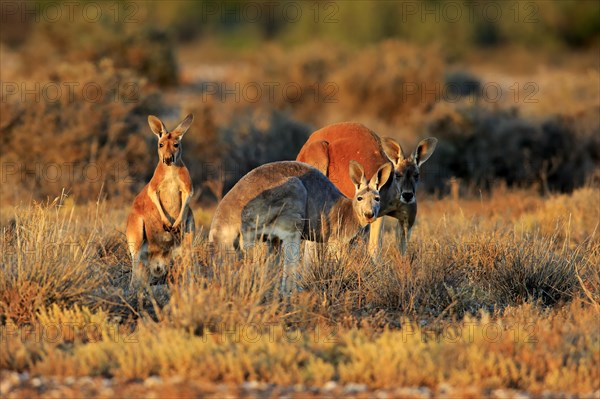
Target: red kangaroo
161, 218
330, 150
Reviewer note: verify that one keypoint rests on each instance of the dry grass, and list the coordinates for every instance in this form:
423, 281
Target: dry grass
476, 303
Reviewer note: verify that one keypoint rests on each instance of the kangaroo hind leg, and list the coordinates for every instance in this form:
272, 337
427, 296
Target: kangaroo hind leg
135, 244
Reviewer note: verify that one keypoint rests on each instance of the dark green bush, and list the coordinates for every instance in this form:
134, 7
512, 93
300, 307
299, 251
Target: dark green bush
481, 146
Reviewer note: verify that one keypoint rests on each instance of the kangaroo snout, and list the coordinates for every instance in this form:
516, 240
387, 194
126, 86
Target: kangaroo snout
158, 269
407, 197
169, 160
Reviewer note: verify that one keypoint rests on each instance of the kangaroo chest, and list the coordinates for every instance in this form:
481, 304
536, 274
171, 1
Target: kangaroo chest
169, 194
405, 213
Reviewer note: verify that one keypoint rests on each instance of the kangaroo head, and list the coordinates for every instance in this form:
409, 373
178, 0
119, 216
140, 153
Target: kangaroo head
406, 170
158, 265
169, 143
366, 197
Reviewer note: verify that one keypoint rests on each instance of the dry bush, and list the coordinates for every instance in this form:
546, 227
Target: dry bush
450, 274
223, 292
571, 219
321, 82
303, 78
131, 40
90, 142
509, 270
391, 81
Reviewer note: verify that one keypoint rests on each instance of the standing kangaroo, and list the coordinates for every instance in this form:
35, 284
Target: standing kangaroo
292, 201
331, 148
161, 217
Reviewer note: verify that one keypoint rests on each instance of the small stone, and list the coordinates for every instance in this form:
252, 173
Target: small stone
54, 394
314, 390
222, 388
500, 394
250, 385
444, 389
36, 382
419, 393
379, 394
23, 377
85, 381
425, 392
70, 380
299, 388
153, 381
176, 380
107, 392
353, 388
330, 386
8, 383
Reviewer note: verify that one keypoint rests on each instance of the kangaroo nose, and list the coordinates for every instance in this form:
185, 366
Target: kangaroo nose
369, 214
407, 197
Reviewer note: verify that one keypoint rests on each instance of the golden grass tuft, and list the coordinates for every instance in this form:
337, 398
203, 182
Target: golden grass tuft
48, 258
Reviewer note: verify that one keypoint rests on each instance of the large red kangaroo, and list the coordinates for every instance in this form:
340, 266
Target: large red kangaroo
330, 150
161, 218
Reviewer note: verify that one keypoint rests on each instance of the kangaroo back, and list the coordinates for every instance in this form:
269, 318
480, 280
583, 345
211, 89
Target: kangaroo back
331, 149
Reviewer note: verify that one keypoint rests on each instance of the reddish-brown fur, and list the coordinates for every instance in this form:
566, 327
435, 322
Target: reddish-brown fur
333, 142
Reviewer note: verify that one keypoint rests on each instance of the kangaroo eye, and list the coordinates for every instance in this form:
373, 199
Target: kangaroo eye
176, 145
161, 145
359, 198
377, 199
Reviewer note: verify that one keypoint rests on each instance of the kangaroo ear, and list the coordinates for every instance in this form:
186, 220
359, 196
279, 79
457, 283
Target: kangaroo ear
424, 150
393, 150
381, 177
157, 126
183, 126
357, 175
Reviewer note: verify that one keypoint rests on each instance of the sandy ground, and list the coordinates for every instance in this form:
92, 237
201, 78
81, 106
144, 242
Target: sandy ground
22, 385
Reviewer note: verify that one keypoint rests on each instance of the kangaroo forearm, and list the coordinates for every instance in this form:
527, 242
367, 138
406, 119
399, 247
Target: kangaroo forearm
185, 200
154, 198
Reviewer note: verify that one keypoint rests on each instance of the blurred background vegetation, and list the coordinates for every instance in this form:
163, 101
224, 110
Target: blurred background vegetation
510, 88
